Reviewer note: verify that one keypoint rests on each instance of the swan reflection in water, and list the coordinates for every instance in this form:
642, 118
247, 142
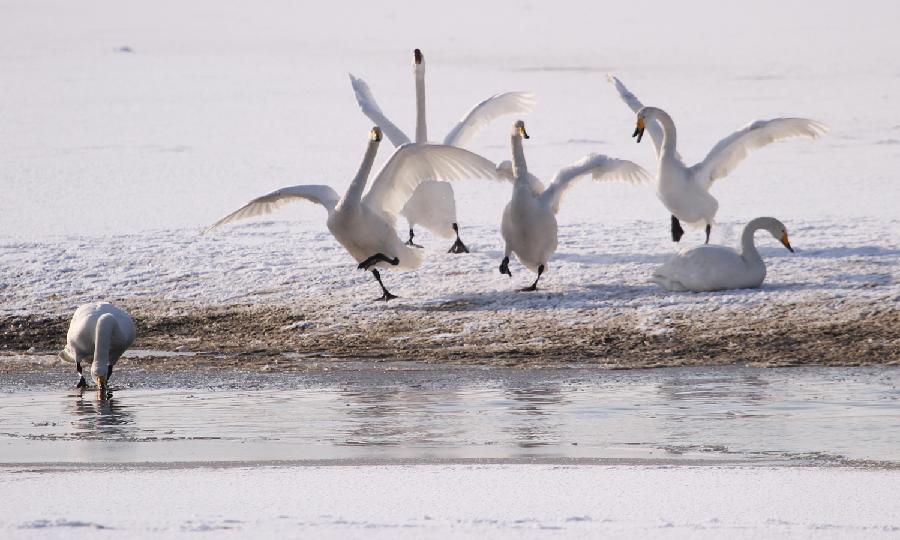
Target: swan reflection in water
107, 419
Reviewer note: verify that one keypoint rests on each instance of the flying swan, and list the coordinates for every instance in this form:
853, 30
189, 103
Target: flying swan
103, 331
529, 219
716, 268
364, 225
685, 190
432, 204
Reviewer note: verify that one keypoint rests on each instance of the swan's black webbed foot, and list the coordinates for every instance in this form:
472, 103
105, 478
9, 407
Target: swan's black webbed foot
708, 230
410, 241
458, 246
375, 259
677, 231
385, 294
81, 383
533, 286
504, 267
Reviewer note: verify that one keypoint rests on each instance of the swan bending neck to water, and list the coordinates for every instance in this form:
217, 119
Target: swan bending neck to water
685, 190
529, 225
364, 224
433, 204
103, 331
714, 268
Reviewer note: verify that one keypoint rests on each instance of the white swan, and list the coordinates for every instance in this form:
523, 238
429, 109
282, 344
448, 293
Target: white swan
103, 331
716, 268
432, 204
364, 225
529, 219
685, 190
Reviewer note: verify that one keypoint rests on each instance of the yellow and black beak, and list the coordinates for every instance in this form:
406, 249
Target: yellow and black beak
786, 242
523, 132
376, 134
639, 129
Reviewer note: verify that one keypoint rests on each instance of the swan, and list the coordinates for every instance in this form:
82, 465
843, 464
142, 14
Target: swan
365, 225
103, 331
432, 204
529, 220
685, 190
716, 268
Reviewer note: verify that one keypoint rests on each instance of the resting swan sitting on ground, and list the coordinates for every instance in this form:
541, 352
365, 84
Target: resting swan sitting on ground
715, 268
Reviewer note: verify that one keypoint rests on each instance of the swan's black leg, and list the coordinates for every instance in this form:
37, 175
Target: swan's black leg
410, 241
504, 267
385, 296
378, 257
533, 286
81, 382
458, 246
708, 230
109, 372
677, 231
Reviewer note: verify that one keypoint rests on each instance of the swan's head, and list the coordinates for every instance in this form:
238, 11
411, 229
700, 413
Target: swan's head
641, 125
519, 130
779, 231
375, 134
100, 380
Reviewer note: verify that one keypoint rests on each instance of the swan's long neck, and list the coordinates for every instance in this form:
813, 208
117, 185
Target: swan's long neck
103, 332
670, 134
354, 192
421, 127
520, 168
748, 246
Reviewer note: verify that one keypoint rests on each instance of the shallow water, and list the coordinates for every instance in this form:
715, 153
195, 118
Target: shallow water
828, 415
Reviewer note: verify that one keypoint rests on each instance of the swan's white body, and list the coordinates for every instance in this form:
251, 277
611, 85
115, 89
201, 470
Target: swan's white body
715, 268
432, 204
529, 225
365, 225
102, 331
684, 190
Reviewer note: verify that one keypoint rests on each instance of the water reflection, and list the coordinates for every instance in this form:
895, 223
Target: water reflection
532, 423
96, 419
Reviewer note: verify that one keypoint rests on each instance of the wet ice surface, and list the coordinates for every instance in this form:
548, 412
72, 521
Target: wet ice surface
398, 413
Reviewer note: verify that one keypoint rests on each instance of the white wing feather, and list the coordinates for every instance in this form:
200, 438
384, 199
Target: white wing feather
653, 128
730, 151
415, 163
266, 204
601, 167
486, 112
504, 170
370, 108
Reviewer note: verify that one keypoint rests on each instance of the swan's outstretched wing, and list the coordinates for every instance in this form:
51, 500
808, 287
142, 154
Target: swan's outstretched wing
266, 204
653, 128
504, 169
486, 112
414, 163
598, 166
370, 108
725, 156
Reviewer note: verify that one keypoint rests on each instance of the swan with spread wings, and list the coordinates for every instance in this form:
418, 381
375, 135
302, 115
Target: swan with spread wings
529, 226
685, 190
364, 224
433, 204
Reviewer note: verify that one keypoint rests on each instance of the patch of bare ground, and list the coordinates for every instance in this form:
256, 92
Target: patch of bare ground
250, 336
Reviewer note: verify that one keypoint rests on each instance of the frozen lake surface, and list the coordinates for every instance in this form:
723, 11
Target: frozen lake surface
714, 415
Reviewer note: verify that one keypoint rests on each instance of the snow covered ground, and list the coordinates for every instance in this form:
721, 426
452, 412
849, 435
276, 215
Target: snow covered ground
459, 501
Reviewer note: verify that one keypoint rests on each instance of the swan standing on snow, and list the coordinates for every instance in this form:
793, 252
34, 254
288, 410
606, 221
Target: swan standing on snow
685, 190
716, 268
529, 219
103, 331
432, 204
364, 225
